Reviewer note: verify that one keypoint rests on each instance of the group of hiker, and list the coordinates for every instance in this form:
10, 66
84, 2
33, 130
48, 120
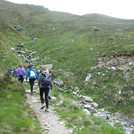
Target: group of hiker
44, 78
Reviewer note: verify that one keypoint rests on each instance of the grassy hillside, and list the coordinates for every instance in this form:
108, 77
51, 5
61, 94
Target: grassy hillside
8, 38
16, 117
74, 43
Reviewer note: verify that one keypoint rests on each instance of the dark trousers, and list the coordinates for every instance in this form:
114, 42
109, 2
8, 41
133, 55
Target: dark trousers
46, 91
31, 81
21, 80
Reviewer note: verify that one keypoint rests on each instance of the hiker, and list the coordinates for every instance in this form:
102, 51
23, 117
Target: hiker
49, 71
14, 72
20, 73
9, 71
45, 83
31, 73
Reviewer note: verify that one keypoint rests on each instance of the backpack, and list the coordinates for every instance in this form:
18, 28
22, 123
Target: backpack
21, 74
32, 73
46, 80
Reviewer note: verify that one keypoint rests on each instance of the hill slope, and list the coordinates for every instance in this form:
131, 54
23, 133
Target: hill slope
79, 43
8, 38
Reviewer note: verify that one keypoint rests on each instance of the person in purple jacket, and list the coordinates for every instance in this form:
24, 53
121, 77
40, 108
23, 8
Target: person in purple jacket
20, 73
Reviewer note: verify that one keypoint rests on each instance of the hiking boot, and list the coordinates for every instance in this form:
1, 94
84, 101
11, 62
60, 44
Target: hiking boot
49, 97
46, 110
42, 107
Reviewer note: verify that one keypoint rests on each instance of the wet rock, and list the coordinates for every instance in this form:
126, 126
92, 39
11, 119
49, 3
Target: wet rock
12, 48
59, 82
113, 68
87, 112
33, 39
94, 83
87, 106
16, 26
101, 115
19, 45
132, 98
88, 77
76, 88
111, 38
94, 28
61, 89
95, 105
21, 28
62, 70
53, 98
127, 76
128, 130
91, 49
87, 99
49, 66
28, 91
23, 43
74, 93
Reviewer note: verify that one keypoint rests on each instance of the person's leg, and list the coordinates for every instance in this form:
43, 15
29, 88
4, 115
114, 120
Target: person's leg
42, 98
31, 84
19, 79
46, 98
22, 79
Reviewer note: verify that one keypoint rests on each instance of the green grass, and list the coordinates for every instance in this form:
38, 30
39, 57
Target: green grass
106, 92
75, 117
65, 40
16, 116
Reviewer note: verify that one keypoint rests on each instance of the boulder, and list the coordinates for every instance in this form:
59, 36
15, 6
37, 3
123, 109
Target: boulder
61, 89
86, 111
87, 99
87, 106
53, 98
12, 48
19, 45
88, 77
111, 38
95, 105
59, 82
49, 66
101, 115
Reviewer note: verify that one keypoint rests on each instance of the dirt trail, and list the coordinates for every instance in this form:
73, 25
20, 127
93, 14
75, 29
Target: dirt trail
49, 121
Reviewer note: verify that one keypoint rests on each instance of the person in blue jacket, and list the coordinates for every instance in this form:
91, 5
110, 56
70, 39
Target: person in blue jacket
31, 73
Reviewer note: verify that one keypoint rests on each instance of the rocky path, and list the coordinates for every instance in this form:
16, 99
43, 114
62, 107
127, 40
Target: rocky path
49, 121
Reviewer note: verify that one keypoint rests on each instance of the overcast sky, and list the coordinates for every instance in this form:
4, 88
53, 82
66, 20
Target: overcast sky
115, 8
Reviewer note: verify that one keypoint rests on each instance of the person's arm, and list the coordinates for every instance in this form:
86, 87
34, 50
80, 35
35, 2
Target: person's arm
24, 71
36, 75
17, 73
27, 74
51, 85
39, 79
